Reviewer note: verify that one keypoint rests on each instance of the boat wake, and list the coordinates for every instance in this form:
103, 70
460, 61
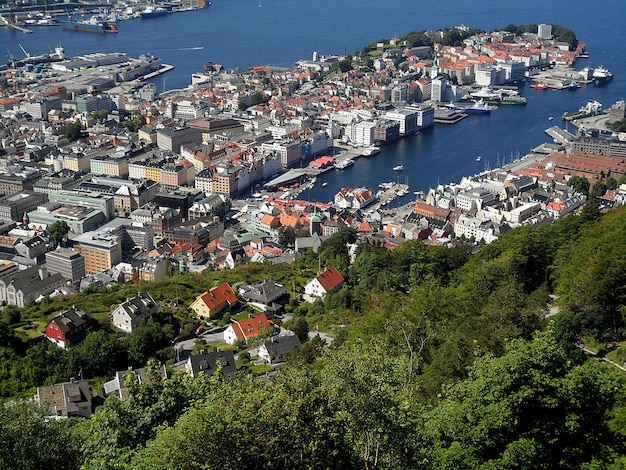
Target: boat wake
195, 48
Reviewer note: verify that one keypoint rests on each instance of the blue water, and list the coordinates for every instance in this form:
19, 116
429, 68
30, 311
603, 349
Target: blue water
239, 33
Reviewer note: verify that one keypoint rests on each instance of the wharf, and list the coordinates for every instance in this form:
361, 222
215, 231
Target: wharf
391, 193
8, 24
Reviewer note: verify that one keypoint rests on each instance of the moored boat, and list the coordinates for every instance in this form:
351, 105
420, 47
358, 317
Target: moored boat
95, 24
344, 164
601, 75
371, 150
539, 86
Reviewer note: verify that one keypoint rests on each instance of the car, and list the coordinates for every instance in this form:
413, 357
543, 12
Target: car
199, 330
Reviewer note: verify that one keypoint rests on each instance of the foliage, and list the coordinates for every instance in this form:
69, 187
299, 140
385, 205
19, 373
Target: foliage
74, 131
29, 440
579, 184
530, 408
58, 230
590, 276
617, 126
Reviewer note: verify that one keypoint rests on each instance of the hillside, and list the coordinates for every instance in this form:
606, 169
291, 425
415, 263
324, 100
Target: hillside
442, 359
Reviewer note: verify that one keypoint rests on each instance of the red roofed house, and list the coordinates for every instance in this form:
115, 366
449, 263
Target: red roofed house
246, 329
324, 283
214, 302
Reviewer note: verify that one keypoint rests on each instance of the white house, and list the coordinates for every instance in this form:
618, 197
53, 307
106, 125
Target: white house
130, 313
321, 285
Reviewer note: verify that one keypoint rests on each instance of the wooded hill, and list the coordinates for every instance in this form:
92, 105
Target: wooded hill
442, 359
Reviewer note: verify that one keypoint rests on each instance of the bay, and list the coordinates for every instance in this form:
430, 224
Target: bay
239, 33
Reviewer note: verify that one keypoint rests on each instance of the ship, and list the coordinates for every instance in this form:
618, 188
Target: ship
344, 164
95, 24
601, 75
539, 86
479, 107
371, 150
592, 108
398, 168
501, 96
151, 12
56, 56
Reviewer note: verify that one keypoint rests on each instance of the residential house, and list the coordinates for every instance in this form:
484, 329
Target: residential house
129, 314
324, 283
117, 385
267, 296
213, 302
68, 400
247, 329
276, 349
69, 327
208, 363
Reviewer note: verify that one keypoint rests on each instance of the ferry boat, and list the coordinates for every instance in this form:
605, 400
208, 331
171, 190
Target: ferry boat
371, 150
398, 168
601, 75
344, 164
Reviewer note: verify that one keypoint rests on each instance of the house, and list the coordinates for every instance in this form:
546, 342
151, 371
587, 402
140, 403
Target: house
117, 385
207, 363
245, 330
267, 296
214, 301
321, 285
69, 327
68, 400
276, 349
129, 314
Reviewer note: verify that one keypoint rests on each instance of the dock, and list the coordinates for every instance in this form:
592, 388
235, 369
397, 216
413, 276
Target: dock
8, 24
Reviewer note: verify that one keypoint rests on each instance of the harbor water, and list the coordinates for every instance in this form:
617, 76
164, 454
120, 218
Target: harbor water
280, 32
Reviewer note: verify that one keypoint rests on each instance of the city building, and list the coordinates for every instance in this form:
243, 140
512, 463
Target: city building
66, 262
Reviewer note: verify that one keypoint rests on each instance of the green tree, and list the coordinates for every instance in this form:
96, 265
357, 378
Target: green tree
29, 440
74, 131
531, 408
579, 184
58, 230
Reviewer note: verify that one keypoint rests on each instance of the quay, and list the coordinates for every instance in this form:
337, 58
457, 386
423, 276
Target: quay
9, 24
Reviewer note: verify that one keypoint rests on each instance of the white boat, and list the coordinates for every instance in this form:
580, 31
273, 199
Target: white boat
344, 164
371, 150
398, 168
386, 185
601, 75
478, 158
324, 183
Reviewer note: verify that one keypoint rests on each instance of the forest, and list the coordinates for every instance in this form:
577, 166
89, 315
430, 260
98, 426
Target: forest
466, 357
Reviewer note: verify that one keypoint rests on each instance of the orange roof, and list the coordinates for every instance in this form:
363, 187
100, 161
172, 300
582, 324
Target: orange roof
330, 279
218, 295
249, 327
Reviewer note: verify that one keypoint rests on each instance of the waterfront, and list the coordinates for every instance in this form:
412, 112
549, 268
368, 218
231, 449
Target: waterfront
242, 34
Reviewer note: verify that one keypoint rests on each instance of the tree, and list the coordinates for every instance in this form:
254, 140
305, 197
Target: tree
531, 408
74, 131
579, 184
58, 230
611, 183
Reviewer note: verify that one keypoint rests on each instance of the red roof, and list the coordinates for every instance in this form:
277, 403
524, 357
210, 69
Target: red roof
249, 327
218, 295
330, 279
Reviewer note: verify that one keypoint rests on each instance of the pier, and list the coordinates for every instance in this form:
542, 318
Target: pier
9, 24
